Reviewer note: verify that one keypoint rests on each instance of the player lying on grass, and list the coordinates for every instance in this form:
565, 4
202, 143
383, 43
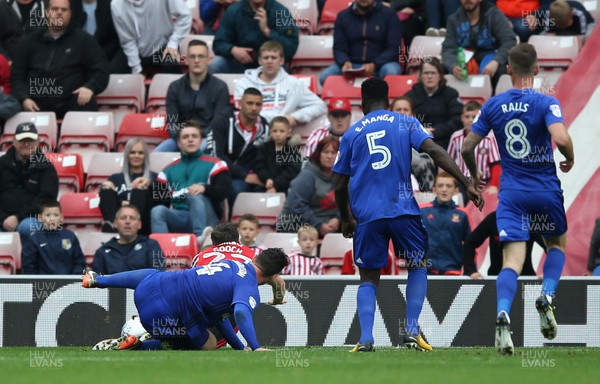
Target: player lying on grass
178, 307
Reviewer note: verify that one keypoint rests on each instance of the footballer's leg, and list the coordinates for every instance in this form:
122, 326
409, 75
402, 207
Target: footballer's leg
129, 279
555, 260
366, 302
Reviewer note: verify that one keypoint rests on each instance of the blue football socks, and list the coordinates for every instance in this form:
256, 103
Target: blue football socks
366, 299
416, 289
555, 261
506, 287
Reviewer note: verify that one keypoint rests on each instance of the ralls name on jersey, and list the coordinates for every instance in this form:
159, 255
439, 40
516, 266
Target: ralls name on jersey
366, 121
515, 107
242, 272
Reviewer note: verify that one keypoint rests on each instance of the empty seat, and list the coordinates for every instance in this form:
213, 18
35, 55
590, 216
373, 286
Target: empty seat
101, 167
287, 241
314, 54
265, 206
231, 80
208, 39
90, 242
84, 129
159, 160
333, 249
10, 253
400, 84
476, 87
148, 126
45, 122
329, 14
341, 86
420, 48
555, 51
540, 84
69, 167
124, 94
157, 93
81, 209
305, 14
179, 249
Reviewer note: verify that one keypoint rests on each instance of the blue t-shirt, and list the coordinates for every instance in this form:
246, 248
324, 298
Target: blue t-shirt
376, 153
215, 288
520, 120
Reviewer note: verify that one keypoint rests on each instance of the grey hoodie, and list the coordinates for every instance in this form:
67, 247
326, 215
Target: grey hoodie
144, 26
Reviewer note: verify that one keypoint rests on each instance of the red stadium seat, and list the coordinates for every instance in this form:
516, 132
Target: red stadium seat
148, 126
329, 14
90, 242
46, 125
341, 86
309, 80
314, 54
124, 94
265, 206
476, 87
69, 167
179, 249
10, 253
81, 209
101, 167
159, 160
333, 249
555, 51
157, 93
286, 241
400, 84
305, 14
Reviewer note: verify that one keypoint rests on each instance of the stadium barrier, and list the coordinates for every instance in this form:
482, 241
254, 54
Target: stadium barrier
55, 311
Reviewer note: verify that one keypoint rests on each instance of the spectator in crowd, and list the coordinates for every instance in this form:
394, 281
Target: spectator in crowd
9, 106
435, 104
412, 16
278, 161
17, 18
249, 228
438, 11
61, 68
237, 145
371, 49
482, 28
524, 15
211, 12
133, 186
95, 18
245, 26
422, 166
130, 250
566, 18
196, 96
53, 250
488, 229
28, 178
148, 36
305, 262
339, 115
197, 186
283, 94
447, 227
593, 267
311, 199
487, 153
4, 75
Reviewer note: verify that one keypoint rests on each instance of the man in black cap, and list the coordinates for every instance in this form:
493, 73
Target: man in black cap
27, 179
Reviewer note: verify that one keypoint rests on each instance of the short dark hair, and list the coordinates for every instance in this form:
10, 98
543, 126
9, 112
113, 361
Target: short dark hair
189, 124
471, 105
281, 120
196, 42
225, 233
50, 203
522, 58
402, 98
249, 217
271, 261
374, 91
251, 91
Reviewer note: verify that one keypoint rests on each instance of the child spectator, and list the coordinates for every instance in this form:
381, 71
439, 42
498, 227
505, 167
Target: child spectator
52, 250
566, 18
249, 229
305, 262
279, 160
488, 156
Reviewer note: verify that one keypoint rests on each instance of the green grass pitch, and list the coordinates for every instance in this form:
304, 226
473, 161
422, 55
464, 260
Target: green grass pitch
300, 365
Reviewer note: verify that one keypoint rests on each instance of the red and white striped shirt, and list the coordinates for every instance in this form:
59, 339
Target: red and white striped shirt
257, 249
486, 153
303, 265
314, 138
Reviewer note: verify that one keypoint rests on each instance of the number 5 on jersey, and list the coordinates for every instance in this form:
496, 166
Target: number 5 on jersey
378, 149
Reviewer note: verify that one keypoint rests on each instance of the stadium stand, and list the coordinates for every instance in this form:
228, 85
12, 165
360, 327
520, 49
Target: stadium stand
10, 253
90, 242
81, 211
69, 167
101, 167
286, 241
305, 14
148, 126
476, 87
265, 206
329, 14
333, 249
555, 51
46, 125
540, 84
230, 79
157, 93
314, 54
400, 84
124, 94
304, 130
309, 80
420, 48
341, 86
159, 160
178, 248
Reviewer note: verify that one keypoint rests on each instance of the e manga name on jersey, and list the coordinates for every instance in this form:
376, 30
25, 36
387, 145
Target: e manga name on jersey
366, 121
514, 107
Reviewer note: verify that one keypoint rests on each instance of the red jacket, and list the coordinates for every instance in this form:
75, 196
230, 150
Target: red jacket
4, 75
517, 8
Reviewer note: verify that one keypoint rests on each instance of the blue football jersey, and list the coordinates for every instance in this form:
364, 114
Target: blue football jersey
376, 154
520, 120
216, 287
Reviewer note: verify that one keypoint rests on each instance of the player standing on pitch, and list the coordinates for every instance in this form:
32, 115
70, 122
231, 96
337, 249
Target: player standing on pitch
372, 174
530, 197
